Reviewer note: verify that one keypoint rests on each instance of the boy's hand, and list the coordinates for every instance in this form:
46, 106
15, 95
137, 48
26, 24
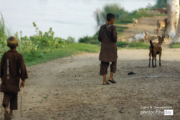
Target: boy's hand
23, 83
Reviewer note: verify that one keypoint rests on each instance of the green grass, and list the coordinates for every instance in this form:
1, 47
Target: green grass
177, 45
77, 48
132, 45
67, 50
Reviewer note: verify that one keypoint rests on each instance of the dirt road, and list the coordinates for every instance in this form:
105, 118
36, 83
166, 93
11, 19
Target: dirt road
65, 89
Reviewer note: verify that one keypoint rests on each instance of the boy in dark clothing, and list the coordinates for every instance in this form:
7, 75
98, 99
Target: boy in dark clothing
12, 68
108, 38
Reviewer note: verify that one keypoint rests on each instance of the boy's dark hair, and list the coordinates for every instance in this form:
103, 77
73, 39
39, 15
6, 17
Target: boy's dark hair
110, 16
12, 47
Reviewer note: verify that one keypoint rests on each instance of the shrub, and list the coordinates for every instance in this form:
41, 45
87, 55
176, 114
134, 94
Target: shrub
85, 39
32, 47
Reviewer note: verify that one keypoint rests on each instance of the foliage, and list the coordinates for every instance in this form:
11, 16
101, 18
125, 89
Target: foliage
117, 10
89, 40
35, 46
161, 3
123, 16
3, 36
85, 39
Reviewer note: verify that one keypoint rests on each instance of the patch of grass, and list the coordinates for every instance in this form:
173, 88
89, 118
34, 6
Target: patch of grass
176, 45
67, 50
133, 45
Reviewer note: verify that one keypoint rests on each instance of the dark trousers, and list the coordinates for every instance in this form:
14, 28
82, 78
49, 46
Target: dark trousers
12, 98
104, 67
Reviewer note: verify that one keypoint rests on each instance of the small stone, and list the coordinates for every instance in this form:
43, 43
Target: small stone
121, 111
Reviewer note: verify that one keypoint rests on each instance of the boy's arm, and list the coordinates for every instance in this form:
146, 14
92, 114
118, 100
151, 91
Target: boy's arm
99, 36
24, 74
114, 34
1, 68
23, 83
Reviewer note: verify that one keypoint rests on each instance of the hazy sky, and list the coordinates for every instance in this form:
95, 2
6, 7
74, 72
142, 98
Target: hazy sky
67, 17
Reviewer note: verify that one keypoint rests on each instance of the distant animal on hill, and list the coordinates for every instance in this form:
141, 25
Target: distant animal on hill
140, 36
161, 10
154, 49
146, 36
161, 24
135, 22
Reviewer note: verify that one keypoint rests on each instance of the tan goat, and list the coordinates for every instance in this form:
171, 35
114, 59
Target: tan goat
161, 24
135, 21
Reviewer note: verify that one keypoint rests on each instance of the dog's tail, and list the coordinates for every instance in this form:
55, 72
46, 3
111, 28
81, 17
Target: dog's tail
152, 47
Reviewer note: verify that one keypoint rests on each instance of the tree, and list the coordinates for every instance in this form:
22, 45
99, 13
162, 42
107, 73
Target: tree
161, 3
177, 36
173, 16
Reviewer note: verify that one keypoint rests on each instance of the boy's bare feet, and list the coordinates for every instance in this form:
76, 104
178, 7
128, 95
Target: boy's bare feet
11, 114
6, 109
6, 116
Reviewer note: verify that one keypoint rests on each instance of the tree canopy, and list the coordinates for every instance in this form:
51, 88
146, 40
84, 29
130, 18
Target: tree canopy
161, 3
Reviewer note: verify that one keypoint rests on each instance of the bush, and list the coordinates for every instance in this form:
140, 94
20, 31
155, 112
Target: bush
70, 40
122, 16
96, 42
117, 10
3, 36
85, 39
32, 47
